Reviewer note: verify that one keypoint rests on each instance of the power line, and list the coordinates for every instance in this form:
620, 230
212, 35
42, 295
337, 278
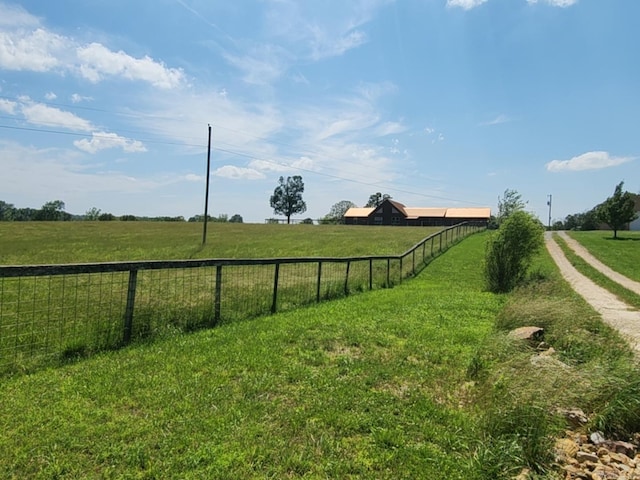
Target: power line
249, 156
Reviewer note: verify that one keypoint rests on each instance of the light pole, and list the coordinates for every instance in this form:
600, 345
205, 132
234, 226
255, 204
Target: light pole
549, 203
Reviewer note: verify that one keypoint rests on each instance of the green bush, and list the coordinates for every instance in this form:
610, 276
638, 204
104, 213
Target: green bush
510, 251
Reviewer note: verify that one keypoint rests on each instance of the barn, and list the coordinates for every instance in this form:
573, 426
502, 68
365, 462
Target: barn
390, 212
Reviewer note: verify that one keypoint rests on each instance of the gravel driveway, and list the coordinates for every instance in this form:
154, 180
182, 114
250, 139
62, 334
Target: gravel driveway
613, 311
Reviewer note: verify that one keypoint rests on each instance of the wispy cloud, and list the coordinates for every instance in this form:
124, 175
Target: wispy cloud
465, 4
502, 118
587, 161
555, 3
469, 4
238, 173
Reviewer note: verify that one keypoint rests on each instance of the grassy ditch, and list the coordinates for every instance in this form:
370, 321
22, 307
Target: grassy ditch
625, 295
419, 381
622, 254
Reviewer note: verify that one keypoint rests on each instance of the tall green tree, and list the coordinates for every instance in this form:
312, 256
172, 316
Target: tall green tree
92, 214
510, 202
51, 211
287, 197
7, 211
617, 210
377, 198
336, 214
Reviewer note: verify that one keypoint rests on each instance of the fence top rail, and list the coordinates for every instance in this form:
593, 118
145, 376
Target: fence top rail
8, 271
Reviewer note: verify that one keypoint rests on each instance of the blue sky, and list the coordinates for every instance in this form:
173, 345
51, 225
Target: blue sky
437, 102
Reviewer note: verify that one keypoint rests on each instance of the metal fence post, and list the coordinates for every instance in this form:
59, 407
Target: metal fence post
218, 294
388, 271
371, 274
131, 300
274, 304
346, 279
319, 280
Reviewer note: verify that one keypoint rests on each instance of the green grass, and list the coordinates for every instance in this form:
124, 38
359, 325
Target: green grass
622, 255
373, 386
23, 243
419, 381
627, 296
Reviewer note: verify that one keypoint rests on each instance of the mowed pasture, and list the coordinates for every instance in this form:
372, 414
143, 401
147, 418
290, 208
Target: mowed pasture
55, 317
622, 254
24, 243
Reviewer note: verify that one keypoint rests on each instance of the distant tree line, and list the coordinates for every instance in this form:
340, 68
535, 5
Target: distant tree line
54, 211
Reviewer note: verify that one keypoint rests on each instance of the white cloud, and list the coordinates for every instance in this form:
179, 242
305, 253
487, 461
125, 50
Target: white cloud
390, 128
26, 45
15, 16
469, 4
103, 141
262, 64
465, 4
7, 106
267, 166
44, 115
587, 161
502, 118
97, 61
191, 177
238, 173
50, 96
38, 51
556, 3
76, 98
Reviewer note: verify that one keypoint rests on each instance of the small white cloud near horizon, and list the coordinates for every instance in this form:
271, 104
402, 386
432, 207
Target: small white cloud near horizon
7, 106
238, 173
103, 141
50, 96
587, 161
77, 98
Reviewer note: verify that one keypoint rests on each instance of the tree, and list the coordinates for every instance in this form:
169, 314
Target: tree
92, 214
106, 217
510, 202
336, 214
51, 211
287, 197
7, 211
617, 210
236, 218
376, 199
510, 251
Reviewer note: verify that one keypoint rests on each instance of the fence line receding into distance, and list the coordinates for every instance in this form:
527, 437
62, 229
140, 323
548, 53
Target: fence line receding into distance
50, 313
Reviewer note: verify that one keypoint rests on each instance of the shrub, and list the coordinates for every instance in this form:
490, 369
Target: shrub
510, 251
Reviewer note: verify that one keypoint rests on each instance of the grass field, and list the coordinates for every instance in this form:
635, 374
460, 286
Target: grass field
46, 319
23, 243
622, 255
419, 381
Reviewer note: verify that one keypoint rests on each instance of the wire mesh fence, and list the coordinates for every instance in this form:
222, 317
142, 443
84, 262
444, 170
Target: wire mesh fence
53, 313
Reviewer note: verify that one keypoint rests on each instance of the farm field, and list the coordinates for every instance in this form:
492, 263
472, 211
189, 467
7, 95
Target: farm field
23, 243
418, 381
622, 255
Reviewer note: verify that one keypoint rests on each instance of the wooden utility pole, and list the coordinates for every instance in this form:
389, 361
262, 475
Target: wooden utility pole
206, 195
549, 203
